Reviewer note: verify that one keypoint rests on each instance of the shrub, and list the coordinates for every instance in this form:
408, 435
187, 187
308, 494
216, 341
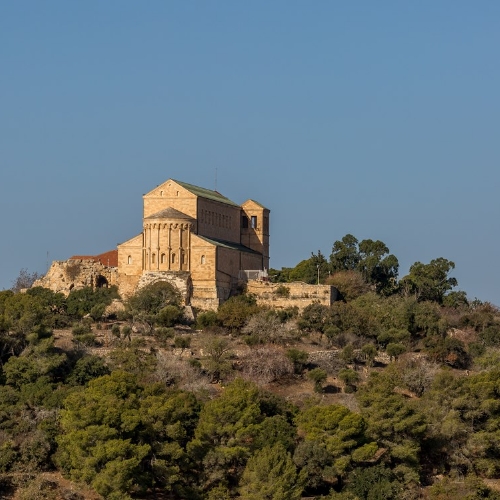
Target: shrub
115, 331
81, 329
298, 359
350, 284
264, 326
169, 316
97, 311
206, 319
87, 339
234, 313
395, 350
182, 342
314, 317
287, 314
349, 377
126, 332
318, 376
282, 291
163, 334
266, 364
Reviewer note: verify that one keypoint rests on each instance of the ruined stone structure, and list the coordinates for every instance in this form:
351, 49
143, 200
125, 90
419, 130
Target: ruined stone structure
195, 238
297, 294
81, 271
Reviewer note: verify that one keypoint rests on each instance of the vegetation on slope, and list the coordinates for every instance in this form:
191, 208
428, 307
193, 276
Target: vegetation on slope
391, 393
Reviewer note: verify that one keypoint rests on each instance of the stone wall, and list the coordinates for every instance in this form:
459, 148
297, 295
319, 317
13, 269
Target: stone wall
179, 279
283, 295
74, 274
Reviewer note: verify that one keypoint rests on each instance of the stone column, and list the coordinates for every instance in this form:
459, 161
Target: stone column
143, 248
180, 247
158, 249
188, 247
169, 246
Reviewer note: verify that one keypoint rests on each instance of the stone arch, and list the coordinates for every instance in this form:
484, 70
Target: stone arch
101, 282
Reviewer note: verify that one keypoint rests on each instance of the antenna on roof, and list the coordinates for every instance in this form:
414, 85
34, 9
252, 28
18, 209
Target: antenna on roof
215, 179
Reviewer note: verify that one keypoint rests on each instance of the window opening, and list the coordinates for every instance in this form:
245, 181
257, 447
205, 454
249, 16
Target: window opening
254, 222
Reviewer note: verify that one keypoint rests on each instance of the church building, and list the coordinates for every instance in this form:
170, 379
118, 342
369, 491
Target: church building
198, 239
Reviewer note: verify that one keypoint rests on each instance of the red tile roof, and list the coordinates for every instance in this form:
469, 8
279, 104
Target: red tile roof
106, 259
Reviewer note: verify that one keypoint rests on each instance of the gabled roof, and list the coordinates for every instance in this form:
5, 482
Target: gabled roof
256, 202
228, 244
206, 193
169, 213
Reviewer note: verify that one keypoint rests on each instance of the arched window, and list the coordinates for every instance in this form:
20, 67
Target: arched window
173, 258
153, 258
129, 259
184, 259
203, 259
162, 258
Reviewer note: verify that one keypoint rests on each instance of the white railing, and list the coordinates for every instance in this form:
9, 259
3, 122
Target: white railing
250, 274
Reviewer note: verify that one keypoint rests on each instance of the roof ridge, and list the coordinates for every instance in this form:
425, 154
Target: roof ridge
169, 212
206, 193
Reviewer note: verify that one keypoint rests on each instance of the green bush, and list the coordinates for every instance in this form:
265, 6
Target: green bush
282, 291
115, 330
182, 342
298, 358
126, 331
81, 329
235, 312
206, 319
163, 333
87, 339
318, 376
169, 316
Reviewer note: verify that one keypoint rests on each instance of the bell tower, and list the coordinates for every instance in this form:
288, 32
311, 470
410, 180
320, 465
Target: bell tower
255, 229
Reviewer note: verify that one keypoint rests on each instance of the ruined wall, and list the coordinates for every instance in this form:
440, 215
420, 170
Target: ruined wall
74, 274
300, 294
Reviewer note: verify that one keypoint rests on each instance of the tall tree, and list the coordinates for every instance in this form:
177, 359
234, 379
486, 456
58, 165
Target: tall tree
430, 281
310, 269
270, 474
377, 265
371, 258
345, 254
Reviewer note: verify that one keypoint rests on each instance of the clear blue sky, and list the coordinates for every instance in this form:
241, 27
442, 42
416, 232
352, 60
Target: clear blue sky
379, 119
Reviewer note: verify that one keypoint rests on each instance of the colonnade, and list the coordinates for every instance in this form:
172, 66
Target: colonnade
166, 246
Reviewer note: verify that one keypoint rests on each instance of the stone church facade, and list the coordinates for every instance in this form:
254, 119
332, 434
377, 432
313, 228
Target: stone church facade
196, 238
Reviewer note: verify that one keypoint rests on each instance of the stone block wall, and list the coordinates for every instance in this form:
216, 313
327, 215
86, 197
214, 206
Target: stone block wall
179, 279
300, 294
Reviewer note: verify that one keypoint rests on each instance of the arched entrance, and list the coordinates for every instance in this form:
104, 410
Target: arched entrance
101, 282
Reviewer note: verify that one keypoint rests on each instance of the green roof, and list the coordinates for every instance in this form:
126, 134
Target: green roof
228, 244
206, 193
